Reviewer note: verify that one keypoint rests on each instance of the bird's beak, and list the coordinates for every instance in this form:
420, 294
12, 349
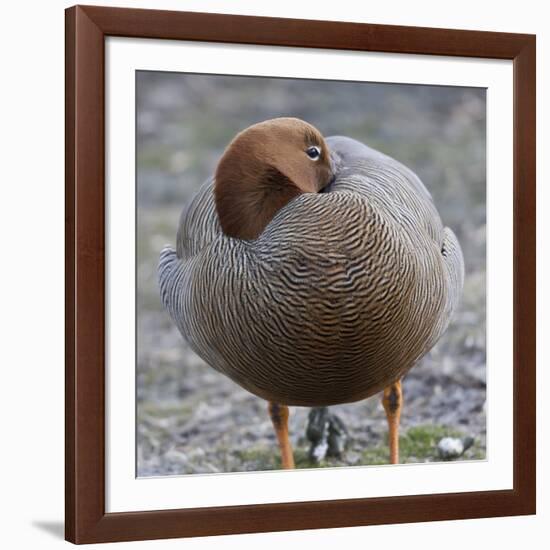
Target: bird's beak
334, 164
330, 182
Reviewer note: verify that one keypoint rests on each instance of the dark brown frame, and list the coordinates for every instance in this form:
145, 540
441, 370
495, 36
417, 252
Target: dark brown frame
86, 29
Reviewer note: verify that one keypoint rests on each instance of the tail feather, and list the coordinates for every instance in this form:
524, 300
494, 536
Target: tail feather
455, 264
167, 263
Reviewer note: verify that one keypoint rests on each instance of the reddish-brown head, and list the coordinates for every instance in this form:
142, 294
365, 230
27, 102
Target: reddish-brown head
263, 168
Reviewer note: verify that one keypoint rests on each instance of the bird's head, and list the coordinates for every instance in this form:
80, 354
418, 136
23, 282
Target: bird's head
263, 168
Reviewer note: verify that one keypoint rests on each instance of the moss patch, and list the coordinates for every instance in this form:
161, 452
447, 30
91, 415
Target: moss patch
419, 444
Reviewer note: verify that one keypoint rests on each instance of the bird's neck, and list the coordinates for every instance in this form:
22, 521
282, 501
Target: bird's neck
246, 203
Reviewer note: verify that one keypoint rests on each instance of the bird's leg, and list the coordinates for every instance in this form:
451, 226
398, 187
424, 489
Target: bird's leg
279, 417
392, 401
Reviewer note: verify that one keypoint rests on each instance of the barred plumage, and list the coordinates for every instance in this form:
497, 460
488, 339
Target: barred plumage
341, 295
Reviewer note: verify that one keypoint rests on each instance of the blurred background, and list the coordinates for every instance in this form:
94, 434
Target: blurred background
191, 419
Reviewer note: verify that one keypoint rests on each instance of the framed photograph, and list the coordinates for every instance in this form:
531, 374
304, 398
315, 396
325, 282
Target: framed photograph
300, 274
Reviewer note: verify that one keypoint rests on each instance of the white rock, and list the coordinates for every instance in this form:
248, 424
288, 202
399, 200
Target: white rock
450, 447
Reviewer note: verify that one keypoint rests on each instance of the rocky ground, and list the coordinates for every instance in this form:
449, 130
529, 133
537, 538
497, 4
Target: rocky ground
190, 419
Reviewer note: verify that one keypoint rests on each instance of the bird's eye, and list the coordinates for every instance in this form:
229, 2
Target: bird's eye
313, 152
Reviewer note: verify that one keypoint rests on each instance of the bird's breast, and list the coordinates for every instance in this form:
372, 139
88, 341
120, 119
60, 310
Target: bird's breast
320, 310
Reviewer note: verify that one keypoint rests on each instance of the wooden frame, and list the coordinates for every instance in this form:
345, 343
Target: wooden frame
86, 29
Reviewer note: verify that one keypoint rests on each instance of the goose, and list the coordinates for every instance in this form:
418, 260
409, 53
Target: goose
312, 272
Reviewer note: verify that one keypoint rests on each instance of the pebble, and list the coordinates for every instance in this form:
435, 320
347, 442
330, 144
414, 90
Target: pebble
453, 447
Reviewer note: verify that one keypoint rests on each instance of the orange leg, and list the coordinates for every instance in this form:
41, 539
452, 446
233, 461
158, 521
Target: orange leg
392, 401
279, 417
